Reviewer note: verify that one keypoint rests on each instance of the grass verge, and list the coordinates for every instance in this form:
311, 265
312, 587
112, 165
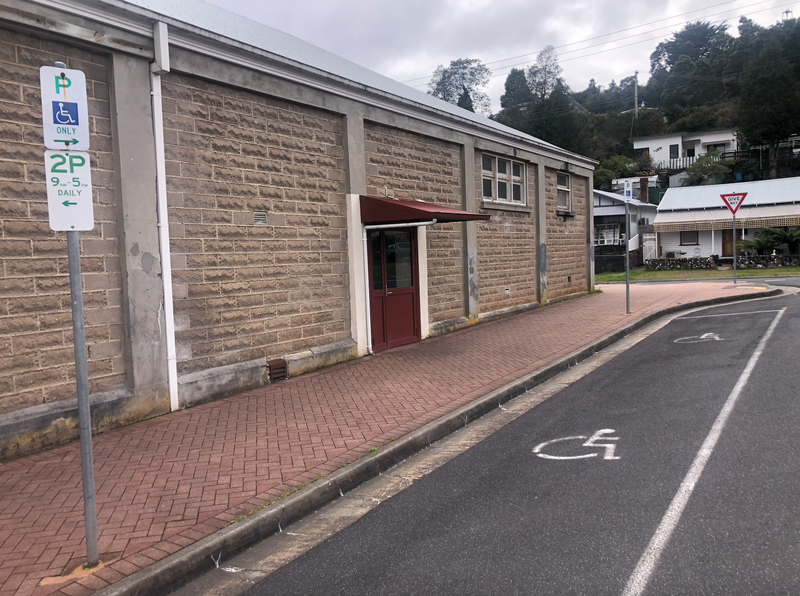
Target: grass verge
640, 273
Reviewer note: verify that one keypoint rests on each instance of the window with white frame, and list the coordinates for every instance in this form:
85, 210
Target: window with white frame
503, 180
564, 192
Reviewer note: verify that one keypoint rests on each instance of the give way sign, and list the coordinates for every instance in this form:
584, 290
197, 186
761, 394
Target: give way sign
734, 200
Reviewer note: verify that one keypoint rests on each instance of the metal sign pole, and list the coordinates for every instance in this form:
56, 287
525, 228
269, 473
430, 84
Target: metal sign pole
82, 380
627, 259
734, 247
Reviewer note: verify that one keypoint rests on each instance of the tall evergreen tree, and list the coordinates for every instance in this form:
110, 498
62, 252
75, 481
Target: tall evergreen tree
448, 83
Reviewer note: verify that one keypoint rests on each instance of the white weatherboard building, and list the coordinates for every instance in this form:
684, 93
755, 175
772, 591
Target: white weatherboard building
680, 149
695, 222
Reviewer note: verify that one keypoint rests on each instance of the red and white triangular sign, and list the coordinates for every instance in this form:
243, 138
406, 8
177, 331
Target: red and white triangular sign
734, 201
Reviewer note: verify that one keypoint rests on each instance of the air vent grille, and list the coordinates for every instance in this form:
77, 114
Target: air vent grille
278, 371
259, 218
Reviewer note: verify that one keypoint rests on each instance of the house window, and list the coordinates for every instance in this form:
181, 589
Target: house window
606, 234
690, 152
502, 180
689, 238
564, 193
673, 152
642, 151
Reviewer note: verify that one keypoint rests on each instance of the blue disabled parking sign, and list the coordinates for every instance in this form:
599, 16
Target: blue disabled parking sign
65, 113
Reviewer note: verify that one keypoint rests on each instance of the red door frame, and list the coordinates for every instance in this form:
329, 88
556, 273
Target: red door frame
380, 307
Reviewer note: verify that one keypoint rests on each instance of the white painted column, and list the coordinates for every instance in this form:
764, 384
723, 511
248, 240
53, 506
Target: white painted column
422, 252
355, 259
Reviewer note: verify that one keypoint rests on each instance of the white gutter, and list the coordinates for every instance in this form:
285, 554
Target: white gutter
157, 68
367, 280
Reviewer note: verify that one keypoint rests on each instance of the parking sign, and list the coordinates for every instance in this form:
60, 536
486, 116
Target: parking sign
65, 112
69, 191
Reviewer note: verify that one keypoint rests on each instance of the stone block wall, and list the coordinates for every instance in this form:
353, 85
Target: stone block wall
566, 239
506, 250
245, 291
37, 361
418, 167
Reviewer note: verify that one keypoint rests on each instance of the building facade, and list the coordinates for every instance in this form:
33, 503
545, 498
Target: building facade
675, 151
694, 221
257, 200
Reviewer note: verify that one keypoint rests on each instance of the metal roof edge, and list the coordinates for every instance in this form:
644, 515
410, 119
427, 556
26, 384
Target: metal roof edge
108, 11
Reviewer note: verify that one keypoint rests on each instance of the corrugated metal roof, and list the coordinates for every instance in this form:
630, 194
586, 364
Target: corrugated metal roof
201, 14
763, 192
762, 212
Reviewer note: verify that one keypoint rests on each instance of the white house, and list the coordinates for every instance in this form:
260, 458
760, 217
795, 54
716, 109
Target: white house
680, 149
694, 221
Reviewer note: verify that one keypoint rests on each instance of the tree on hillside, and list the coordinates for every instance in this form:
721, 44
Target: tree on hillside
517, 94
687, 70
769, 105
465, 101
695, 40
448, 83
705, 168
545, 74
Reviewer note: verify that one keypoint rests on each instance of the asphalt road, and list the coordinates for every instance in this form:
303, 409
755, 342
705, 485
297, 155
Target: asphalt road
509, 517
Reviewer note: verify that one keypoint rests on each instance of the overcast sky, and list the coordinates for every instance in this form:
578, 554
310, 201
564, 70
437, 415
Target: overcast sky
407, 39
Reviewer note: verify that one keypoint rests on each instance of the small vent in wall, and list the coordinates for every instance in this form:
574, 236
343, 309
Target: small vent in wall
278, 371
259, 218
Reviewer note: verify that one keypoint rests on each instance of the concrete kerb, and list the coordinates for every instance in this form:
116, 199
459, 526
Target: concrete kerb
177, 569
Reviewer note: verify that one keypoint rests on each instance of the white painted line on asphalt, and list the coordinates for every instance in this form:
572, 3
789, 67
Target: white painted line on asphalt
731, 314
649, 560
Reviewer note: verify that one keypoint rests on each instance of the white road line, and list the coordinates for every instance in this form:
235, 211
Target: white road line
649, 560
732, 314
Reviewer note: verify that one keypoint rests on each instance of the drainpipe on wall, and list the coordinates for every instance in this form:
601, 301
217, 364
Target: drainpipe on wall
367, 281
157, 68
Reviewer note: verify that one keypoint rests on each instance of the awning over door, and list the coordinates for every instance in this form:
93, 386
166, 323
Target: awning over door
376, 210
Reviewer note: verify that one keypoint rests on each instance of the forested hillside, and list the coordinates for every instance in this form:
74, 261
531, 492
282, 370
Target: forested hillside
701, 78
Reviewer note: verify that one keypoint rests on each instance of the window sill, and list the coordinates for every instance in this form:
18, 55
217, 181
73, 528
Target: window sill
499, 206
564, 213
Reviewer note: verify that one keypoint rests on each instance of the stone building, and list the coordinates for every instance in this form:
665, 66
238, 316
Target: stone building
247, 187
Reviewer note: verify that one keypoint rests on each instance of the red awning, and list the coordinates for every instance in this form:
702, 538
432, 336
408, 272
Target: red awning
376, 210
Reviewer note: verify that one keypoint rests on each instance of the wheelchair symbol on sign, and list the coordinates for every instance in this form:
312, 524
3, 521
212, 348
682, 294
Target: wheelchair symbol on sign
593, 441
65, 113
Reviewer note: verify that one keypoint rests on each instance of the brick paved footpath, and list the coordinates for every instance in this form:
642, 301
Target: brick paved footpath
165, 483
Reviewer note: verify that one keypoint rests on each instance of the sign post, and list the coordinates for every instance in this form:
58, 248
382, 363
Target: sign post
734, 201
627, 257
70, 209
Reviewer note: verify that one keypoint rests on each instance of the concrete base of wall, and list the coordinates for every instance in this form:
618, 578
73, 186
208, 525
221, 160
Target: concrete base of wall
49, 425
504, 312
443, 327
224, 381
315, 358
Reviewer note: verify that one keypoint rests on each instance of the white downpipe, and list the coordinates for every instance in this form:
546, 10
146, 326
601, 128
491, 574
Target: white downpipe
162, 65
367, 280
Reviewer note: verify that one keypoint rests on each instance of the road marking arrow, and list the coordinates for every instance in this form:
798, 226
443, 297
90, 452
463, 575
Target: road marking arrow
68, 203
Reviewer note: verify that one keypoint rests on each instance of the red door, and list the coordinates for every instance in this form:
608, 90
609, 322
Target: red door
394, 291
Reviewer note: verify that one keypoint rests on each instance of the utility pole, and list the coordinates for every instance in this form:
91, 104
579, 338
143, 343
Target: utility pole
636, 95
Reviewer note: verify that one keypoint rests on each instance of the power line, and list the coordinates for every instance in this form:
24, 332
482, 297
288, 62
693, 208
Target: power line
510, 66
609, 34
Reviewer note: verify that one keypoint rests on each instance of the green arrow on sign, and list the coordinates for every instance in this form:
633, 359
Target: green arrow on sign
68, 203
67, 141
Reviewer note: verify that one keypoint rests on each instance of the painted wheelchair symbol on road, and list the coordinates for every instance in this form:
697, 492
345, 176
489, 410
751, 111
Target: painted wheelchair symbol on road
593, 441
696, 339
